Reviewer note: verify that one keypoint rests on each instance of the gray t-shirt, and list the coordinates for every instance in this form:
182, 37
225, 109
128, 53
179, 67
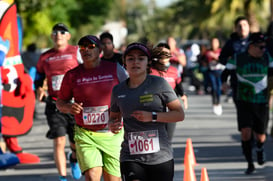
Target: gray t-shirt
152, 95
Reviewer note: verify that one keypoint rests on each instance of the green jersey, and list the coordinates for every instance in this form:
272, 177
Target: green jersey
252, 76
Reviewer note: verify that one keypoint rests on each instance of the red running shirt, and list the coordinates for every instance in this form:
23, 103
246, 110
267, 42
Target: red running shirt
93, 88
171, 75
54, 64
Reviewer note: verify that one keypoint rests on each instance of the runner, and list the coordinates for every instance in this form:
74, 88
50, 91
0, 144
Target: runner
108, 49
142, 101
237, 43
214, 72
90, 86
252, 68
173, 77
52, 65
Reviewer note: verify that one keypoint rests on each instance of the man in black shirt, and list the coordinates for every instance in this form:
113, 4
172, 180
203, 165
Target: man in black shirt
109, 53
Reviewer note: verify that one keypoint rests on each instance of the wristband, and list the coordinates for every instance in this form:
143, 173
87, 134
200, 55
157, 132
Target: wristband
154, 116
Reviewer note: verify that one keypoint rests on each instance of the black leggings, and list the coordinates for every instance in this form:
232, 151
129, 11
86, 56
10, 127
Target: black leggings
131, 171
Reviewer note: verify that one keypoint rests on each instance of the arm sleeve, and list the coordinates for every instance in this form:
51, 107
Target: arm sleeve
121, 73
226, 53
114, 106
40, 74
39, 79
65, 92
79, 56
179, 90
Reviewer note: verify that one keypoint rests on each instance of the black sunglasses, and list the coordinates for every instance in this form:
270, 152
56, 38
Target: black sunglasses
59, 31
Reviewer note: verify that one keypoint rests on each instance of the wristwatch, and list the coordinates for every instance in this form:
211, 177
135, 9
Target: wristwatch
154, 116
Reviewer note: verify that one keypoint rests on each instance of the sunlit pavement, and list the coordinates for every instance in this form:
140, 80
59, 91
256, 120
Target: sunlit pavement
215, 141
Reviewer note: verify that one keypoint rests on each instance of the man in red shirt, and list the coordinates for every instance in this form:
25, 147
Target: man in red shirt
52, 65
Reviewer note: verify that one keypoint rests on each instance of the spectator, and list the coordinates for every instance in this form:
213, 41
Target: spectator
30, 59
31, 56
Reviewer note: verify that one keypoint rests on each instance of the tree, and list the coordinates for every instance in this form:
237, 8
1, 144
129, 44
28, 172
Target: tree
82, 17
197, 19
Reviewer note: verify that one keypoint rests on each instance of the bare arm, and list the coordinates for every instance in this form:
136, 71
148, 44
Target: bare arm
184, 98
68, 107
115, 123
174, 114
182, 59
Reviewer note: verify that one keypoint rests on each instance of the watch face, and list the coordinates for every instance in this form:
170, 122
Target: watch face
154, 116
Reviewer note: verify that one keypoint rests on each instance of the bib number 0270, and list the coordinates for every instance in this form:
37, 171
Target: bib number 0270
95, 115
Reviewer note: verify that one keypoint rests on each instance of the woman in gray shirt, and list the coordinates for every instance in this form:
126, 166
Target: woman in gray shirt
140, 104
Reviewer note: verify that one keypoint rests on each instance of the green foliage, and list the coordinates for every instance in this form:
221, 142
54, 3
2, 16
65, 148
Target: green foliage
185, 19
82, 17
203, 19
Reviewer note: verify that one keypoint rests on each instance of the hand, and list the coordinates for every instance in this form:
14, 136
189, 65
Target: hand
115, 125
76, 108
41, 94
225, 87
142, 116
184, 98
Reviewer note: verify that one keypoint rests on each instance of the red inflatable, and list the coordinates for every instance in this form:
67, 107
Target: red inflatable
18, 98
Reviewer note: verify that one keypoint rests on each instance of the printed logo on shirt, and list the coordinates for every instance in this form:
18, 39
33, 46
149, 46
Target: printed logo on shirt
60, 57
121, 96
95, 79
146, 98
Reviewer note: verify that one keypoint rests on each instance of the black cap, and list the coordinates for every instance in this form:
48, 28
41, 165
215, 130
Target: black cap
90, 38
139, 46
257, 37
60, 26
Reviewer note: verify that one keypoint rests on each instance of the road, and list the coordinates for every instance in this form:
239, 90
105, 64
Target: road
215, 141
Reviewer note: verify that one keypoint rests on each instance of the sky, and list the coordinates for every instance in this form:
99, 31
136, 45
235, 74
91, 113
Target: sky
163, 3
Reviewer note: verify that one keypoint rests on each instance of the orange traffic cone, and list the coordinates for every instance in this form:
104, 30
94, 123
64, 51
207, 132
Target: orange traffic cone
189, 152
204, 175
189, 174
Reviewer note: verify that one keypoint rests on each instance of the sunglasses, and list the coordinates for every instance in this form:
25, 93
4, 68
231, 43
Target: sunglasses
89, 46
62, 32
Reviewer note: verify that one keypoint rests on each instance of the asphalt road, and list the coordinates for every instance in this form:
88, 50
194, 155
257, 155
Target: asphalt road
215, 140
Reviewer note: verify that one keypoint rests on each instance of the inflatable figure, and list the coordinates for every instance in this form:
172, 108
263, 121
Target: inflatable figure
18, 98
6, 159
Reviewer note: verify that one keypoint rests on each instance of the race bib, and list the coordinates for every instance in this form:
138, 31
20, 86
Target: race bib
143, 142
57, 82
95, 115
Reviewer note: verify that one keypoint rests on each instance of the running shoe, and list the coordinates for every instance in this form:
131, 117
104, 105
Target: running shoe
250, 169
62, 178
75, 169
217, 109
260, 156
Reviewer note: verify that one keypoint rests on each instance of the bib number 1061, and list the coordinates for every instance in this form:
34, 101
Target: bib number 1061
143, 142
